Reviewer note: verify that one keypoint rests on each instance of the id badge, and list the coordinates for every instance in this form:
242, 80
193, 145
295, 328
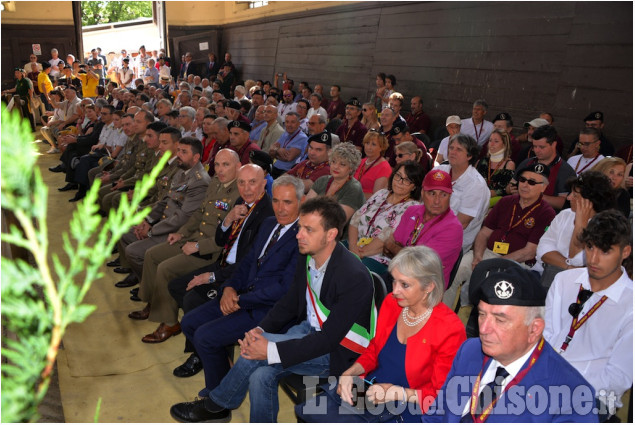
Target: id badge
364, 241
501, 248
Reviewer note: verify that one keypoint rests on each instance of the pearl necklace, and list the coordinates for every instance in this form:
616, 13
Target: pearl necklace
409, 322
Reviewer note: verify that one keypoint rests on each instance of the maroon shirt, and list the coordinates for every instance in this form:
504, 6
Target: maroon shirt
418, 123
527, 225
306, 170
335, 108
354, 135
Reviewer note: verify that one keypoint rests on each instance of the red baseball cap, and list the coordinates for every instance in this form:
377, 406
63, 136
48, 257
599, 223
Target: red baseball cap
438, 180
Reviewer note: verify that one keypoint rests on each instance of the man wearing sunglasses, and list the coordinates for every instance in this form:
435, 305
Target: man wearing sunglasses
589, 311
513, 228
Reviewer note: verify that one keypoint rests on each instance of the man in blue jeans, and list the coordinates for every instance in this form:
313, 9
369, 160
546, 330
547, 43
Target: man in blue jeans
331, 291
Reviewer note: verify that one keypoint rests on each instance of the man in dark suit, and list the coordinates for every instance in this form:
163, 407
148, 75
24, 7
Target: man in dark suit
188, 67
212, 67
525, 380
257, 282
166, 261
340, 291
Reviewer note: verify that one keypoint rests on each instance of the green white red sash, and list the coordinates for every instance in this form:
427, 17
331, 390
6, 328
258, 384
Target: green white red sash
357, 338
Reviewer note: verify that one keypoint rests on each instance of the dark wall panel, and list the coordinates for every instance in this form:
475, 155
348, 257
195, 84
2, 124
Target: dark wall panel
17, 41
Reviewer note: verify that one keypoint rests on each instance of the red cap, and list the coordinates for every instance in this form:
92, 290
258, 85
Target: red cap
438, 180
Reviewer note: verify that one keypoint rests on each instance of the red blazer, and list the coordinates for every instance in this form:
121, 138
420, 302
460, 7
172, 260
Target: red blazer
429, 352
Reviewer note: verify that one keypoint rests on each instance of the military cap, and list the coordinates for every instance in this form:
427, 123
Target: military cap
239, 124
261, 159
323, 137
593, 116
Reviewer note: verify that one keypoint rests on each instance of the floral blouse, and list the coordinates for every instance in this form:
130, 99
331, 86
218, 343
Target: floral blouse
379, 219
497, 181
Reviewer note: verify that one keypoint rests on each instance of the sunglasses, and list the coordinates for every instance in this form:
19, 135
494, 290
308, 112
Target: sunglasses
530, 182
401, 155
576, 307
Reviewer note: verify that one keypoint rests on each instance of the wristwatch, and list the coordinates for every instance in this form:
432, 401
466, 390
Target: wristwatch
212, 278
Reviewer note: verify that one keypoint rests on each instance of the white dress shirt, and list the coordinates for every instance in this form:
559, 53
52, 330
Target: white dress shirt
602, 348
557, 238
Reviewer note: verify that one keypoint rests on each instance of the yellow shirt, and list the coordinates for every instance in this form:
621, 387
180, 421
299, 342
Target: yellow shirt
44, 80
89, 85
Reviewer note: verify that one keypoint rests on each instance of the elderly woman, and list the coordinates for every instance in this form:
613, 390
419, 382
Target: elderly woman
375, 221
470, 194
407, 361
615, 169
340, 184
432, 224
374, 170
559, 248
497, 168
369, 116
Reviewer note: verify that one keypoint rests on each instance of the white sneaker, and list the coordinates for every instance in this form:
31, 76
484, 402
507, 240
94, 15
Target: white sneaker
53, 150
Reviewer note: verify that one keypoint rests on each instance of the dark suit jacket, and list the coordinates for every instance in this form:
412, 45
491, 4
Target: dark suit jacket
550, 371
249, 233
347, 291
210, 72
191, 69
263, 286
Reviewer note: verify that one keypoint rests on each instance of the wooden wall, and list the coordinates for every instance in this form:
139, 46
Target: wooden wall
568, 58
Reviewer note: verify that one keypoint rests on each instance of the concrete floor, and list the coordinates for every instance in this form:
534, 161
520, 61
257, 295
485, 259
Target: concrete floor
104, 358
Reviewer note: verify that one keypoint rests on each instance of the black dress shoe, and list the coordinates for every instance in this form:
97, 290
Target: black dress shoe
195, 411
114, 263
78, 196
69, 186
122, 270
57, 169
130, 280
135, 298
191, 367
115, 250
134, 291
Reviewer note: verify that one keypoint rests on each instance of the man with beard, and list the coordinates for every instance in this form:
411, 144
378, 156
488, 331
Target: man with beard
186, 193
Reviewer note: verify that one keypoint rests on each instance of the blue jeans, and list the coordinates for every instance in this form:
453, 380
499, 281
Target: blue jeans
261, 379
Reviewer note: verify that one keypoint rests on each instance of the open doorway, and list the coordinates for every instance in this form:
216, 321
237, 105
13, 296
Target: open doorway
114, 26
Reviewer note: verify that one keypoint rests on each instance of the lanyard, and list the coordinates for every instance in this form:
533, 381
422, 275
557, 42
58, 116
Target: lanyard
310, 169
475, 391
586, 166
476, 132
290, 139
421, 225
372, 220
364, 170
236, 227
520, 220
328, 185
489, 170
577, 324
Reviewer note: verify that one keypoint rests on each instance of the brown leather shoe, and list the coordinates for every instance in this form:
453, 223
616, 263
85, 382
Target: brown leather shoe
162, 333
141, 314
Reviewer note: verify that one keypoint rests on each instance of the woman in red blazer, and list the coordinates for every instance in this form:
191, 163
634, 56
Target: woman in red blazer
406, 363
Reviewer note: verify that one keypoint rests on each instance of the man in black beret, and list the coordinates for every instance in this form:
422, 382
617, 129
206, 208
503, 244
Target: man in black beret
594, 120
400, 132
239, 140
317, 163
510, 372
232, 111
352, 130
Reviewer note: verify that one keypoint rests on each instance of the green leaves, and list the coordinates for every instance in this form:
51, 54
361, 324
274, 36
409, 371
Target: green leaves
103, 12
37, 304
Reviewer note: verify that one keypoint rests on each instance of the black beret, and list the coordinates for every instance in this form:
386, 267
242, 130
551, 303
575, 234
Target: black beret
239, 124
262, 159
503, 116
511, 286
323, 137
398, 127
354, 102
232, 104
260, 92
597, 115
537, 168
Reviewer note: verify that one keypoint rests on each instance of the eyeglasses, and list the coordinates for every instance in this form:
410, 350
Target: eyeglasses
401, 179
576, 307
530, 182
401, 155
587, 143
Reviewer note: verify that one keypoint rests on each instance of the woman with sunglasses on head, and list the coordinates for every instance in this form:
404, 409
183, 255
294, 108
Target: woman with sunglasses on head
369, 116
497, 168
376, 220
559, 248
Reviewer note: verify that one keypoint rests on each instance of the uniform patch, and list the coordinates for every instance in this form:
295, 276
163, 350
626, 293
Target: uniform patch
503, 289
530, 222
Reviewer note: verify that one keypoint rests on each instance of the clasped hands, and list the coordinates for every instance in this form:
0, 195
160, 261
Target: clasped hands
253, 346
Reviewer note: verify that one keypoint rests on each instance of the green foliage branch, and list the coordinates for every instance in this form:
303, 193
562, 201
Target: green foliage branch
107, 12
39, 324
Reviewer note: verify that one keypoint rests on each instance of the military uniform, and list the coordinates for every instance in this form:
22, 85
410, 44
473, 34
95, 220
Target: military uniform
185, 195
124, 161
165, 262
163, 184
145, 161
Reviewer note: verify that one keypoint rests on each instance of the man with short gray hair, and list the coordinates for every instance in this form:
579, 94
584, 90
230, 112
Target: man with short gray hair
187, 114
477, 126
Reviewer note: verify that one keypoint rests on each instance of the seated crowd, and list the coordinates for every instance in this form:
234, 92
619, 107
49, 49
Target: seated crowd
276, 203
